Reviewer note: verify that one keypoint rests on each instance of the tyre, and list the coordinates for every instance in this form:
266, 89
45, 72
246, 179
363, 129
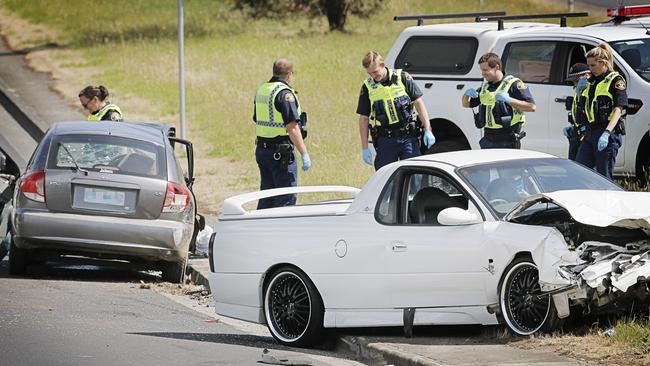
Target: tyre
446, 146
173, 272
522, 309
293, 308
17, 259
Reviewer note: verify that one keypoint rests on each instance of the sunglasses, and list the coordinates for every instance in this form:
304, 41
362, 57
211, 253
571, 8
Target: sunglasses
85, 105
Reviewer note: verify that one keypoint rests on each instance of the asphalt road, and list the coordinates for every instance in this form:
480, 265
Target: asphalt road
93, 315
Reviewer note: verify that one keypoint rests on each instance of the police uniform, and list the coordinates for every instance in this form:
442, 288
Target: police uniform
276, 104
389, 106
500, 121
601, 96
578, 120
109, 112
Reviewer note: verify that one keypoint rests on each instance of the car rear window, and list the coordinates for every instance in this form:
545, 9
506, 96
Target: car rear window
108, 154
437, 55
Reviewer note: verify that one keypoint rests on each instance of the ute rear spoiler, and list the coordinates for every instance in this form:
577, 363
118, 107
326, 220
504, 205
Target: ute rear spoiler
235, 205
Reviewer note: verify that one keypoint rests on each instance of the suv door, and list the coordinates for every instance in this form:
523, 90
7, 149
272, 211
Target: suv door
534, 62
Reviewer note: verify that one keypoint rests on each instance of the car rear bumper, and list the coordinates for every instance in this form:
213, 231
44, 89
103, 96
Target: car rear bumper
102, 236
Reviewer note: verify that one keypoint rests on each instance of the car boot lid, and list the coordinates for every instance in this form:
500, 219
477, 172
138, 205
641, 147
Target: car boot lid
597, 208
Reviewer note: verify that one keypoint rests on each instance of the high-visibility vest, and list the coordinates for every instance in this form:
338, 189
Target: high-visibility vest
602, 90
389, 105
488, 99
269, 122
102, 112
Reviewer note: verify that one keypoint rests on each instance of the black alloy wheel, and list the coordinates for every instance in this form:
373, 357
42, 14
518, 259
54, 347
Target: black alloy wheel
524, 309
293, 308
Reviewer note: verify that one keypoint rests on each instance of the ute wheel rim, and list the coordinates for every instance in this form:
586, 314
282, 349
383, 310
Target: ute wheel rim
288, 307
524, 312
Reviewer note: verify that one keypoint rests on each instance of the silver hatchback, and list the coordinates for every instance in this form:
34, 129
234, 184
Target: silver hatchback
106, 190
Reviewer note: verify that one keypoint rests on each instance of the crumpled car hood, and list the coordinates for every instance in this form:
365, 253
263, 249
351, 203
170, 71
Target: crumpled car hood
624, 209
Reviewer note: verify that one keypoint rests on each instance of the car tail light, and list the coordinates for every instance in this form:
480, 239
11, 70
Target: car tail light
628, 11
177, 198
33, 186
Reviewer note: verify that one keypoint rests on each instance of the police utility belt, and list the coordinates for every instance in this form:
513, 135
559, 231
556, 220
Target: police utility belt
282, 149
596, 126
409, 129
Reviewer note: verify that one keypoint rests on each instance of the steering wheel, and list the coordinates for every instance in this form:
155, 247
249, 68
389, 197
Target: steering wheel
497, 202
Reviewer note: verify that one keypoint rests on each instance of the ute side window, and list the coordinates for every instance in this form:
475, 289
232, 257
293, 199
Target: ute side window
530, 61
437, 55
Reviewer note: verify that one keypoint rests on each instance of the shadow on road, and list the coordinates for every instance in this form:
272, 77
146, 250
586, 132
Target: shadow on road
328, 348
90, 271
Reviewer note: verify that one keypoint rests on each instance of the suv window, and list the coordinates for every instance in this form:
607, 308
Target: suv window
637, 54
530, 61
437, 55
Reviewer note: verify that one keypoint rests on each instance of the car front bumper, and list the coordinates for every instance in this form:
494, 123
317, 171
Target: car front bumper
102, 236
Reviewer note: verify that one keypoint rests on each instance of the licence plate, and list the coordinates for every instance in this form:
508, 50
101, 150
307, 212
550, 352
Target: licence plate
102, 196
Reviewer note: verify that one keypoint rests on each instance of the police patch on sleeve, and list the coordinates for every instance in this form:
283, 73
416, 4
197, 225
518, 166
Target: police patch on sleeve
620, 84
407, 76
289, 98
521, 85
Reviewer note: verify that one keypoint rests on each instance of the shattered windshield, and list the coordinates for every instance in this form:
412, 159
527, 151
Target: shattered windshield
636, 53
503, 184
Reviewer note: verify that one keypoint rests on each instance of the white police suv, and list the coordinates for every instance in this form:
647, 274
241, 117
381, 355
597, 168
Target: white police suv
443, 58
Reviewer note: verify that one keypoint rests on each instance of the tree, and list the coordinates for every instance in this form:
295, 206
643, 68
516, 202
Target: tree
336, 11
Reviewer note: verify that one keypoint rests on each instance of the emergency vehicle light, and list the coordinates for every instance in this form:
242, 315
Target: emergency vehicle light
628, 11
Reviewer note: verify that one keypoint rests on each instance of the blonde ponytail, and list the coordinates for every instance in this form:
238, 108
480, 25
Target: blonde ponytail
602, 53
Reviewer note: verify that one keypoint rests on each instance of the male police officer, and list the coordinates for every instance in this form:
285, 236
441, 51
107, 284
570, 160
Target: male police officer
501, 101
278, 118
578, 74
387, 98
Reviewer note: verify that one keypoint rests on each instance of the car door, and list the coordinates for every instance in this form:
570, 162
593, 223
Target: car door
534, 61
427, 264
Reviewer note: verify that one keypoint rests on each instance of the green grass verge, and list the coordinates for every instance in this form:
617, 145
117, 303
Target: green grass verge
228, 56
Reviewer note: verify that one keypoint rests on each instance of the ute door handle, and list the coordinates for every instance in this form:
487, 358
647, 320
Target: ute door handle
398, 246
560, 100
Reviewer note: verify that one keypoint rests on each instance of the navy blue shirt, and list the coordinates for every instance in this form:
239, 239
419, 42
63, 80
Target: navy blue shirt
518, 90
413, 91
285, 102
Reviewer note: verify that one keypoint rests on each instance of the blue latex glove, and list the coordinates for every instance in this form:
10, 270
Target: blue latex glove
471, 92
582, 128
366, 155
429, 139
565, 131
503, 97
580, 86
603, 141
306, 162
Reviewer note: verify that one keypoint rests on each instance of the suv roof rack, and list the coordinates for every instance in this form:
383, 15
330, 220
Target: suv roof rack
421, 18
500, 19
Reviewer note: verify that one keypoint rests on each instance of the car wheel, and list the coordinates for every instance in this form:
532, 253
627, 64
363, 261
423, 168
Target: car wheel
173, 272
523, 310
17, 259
293, 308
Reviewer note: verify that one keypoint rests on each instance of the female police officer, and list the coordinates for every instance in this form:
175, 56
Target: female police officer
94, 99
605, 100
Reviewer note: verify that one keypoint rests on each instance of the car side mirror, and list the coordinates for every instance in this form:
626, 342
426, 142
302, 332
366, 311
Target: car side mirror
454, 216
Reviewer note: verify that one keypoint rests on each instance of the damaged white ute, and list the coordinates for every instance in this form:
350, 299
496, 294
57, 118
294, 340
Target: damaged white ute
467, 237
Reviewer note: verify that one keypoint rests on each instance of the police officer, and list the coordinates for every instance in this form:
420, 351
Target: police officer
279, 120
94, 99
605, 102
385, 109
502, 101
578, 75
